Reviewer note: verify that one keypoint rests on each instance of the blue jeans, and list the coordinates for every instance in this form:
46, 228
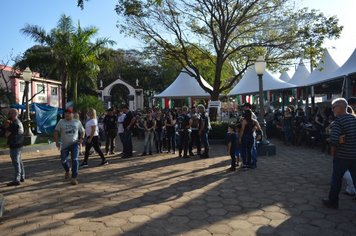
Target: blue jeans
74, 151
340, 166
247, 150
15, 154
127, 142
148, 141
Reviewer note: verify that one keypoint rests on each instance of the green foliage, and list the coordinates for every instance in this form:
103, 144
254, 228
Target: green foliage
218, 130
85, 102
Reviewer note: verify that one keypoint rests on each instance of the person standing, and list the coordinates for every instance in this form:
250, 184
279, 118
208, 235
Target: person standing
184, 123
344, 156
92, 138
170, 125
204, 128
149, 125
247, 138
71, 134
159, 120
14, 132
195, 138
110, 127
120, 127
232, 139
128, 124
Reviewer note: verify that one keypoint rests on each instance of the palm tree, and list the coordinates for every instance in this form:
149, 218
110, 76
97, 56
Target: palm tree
76, 58
58, 41
85, 57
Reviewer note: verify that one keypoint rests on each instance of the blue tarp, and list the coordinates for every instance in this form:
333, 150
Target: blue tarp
46, 116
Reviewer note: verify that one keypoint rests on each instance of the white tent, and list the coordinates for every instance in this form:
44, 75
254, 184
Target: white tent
300, 75
349, 67
185, 86
249, 83
284, 76
326, 67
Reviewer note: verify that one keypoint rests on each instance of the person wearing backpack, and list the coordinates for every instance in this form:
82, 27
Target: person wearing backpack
184, 123
204, 128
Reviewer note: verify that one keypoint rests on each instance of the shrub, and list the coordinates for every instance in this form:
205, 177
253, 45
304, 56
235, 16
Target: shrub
218, 130
85, 102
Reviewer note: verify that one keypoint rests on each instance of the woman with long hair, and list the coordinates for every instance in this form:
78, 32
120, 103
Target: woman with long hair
247, 139
92, 138
170, 125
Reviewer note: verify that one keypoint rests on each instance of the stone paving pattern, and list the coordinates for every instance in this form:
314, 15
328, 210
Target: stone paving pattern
167, 195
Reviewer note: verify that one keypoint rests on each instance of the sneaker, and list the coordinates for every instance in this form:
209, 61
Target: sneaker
22, 180
84, 164
104, 163
74, 181
186, 156
13, 183
174, 152
231, 169
150, 154
327, 203
191, 154
143, 154
112, 153
66, 175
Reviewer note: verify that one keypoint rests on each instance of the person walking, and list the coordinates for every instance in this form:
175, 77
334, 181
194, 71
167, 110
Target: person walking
92, 138
204, 128
71, 134
247, 138
110, 127
344, 156
128, 124
14, 133
184, 123
170, 124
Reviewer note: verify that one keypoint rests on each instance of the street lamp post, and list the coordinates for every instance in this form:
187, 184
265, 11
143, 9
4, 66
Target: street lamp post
260, 67
27, 76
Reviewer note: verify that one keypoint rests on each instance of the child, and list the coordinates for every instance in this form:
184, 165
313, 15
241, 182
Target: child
232, 140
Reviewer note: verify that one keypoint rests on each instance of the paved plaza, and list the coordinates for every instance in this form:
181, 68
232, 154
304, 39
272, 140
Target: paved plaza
166, 195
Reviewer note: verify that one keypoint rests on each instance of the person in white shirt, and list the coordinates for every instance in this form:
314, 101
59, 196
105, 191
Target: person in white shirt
92, 134
120, 131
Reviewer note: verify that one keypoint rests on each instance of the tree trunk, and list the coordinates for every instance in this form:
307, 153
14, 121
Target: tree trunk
213, 112
75, 90
64, 81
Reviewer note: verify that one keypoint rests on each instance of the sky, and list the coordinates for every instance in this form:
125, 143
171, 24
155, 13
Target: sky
101, 14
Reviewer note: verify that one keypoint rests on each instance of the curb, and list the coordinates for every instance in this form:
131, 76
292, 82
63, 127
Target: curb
40, 147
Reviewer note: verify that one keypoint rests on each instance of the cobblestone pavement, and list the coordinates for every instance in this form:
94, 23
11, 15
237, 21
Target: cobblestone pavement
167, 195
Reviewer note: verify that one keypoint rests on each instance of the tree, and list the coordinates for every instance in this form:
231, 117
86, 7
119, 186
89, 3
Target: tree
74, 57
57, 40
84, 57
315, 32
228, 32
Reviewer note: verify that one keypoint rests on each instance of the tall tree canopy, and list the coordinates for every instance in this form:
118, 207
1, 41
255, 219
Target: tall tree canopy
75, 57
229, 33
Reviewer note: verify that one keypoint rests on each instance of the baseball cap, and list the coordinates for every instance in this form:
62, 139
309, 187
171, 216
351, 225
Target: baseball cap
68, 110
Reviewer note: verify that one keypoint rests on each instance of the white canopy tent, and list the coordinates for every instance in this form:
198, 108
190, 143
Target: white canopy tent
249, 83
300, 76
284, 76
349, 67
185, 86
326, 67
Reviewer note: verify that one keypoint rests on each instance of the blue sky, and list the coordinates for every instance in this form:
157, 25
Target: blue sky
100, 13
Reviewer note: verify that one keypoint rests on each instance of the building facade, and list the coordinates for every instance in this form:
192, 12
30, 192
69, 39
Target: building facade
41, 90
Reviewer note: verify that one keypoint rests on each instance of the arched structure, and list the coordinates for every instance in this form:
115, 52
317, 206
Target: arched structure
135, 94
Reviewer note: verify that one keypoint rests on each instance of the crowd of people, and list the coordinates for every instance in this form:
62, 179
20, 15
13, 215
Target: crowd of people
187, 129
